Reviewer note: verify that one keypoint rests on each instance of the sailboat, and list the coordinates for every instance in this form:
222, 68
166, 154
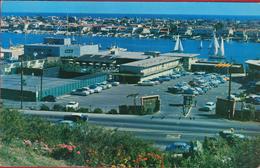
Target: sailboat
201, 45
218, 50
178, 45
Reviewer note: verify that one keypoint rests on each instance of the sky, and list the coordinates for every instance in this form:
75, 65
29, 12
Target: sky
187, 8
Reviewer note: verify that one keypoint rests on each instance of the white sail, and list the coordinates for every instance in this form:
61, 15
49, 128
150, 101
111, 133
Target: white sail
201, 45
222, 49
176, 48
216, 45
178, 45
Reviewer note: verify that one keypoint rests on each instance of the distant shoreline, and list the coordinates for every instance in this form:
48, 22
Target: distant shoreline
152, 16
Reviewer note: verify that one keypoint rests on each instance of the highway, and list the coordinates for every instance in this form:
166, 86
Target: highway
161, 130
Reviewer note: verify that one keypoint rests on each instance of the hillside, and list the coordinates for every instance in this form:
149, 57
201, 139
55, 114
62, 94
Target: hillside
16, 154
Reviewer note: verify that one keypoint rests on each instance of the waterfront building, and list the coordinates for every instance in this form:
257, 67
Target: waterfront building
253, 69
186, 59
11, 53
146, 69
57, 47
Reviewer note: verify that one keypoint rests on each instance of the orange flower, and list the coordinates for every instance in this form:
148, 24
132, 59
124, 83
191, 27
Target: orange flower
145, 158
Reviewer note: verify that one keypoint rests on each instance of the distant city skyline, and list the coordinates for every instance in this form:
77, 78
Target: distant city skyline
188, 8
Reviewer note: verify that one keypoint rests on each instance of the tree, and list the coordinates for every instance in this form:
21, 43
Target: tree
173, 28
112, 111
44, 107
97, 110
218, 26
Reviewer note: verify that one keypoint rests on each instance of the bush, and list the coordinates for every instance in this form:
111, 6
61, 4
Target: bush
44, 107
58, 107
112, 111
83, 110
97, 110
70, 109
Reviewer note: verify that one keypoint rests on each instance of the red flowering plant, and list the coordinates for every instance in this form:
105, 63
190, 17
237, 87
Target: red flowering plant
66, 152
150, 159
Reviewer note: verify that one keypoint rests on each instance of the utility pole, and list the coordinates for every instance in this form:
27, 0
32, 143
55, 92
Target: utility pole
229, 83
41, 85
21, 94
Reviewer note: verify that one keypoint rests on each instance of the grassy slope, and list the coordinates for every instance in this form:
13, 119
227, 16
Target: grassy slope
18, 155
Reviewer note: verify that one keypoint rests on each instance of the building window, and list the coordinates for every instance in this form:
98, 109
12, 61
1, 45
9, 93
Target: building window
68, 51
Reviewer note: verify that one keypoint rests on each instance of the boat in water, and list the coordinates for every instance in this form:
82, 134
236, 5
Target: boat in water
178, 45
201, 45
217, 51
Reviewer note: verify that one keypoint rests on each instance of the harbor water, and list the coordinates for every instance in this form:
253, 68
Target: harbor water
237, 52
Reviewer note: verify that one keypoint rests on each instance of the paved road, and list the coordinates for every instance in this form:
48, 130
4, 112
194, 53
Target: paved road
163, 131
164, 127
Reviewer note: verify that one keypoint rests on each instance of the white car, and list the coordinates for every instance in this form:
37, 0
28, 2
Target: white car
146, 83
115, 83
98, 89
73, 105
209, 106
109, 86
91, 91
80, 93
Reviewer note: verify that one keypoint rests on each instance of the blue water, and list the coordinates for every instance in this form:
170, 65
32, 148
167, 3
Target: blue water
160, 16
237, 51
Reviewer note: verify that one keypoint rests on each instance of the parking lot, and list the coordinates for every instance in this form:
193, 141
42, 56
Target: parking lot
112, 98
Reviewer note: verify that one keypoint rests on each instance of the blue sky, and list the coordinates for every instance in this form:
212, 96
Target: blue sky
133, 7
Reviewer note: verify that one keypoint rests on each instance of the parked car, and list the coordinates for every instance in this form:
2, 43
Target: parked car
91, 91
209, 106
199, 90
98, 89
109, 86
165, 78
49, 98
146, 83
115, 83
73, 105
179, 148
80, 92
104, 86
199, 73
175, 90
85, 88
92, 86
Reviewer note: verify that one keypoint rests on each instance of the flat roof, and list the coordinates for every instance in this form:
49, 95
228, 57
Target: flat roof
151, 62
97, 58
56, 45
213, 64
253, 62
126, 55
174, 54
32, 82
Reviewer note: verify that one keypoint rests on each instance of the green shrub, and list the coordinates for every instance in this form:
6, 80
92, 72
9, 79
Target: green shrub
83, 110
112, 111
97, 110
58, 107
44, 107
